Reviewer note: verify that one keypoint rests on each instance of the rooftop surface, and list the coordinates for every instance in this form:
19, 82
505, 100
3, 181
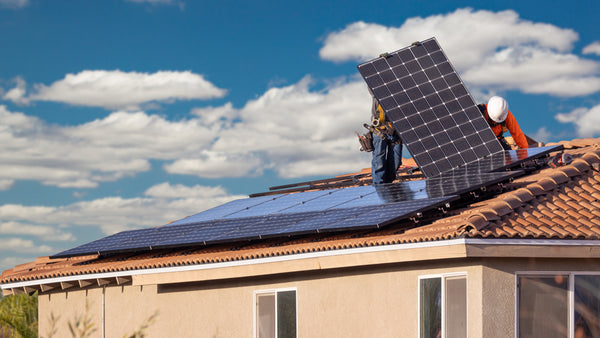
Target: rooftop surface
560, 203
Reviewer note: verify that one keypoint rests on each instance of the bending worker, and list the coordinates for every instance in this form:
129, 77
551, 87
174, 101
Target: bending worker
387, 147
501, 120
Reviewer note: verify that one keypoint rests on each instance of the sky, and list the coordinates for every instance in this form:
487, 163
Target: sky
126, 114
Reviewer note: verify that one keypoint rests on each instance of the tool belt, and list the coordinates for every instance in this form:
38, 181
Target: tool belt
366, 141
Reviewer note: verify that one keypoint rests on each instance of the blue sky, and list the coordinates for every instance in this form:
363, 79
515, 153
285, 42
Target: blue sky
123, 114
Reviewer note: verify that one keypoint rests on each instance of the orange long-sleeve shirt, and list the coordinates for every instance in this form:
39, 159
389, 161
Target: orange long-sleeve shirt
514, 129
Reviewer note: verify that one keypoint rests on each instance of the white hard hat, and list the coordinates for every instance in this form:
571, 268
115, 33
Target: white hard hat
497, 108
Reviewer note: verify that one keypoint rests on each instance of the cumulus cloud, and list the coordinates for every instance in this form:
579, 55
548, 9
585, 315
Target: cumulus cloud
293, 130
122, 144
586, 121
125, 90
43, 232
17, 94
23, 246
490, 50
210, 164
163, 203
542, 135
592, 48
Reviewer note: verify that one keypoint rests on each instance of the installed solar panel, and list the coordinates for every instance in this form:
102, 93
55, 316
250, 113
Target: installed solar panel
282, 202
99, 245
226, 209
430, 107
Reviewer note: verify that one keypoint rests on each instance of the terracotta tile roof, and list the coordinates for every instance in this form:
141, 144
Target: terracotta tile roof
551, 203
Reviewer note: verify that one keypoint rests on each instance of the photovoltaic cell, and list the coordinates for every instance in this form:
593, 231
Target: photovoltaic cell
430, 107
226, 209
282, 202
100, 244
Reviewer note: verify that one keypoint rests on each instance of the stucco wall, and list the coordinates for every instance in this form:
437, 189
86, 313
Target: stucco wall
375, 301
372, 301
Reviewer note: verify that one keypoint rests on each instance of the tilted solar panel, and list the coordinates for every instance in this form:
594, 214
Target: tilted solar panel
430, 107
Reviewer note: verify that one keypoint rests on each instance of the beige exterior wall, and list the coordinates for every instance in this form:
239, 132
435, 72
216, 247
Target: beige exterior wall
375, 301
367, 301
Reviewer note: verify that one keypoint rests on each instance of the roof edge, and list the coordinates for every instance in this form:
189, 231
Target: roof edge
293, 257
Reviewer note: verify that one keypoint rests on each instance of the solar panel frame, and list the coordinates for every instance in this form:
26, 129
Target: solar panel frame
430, 107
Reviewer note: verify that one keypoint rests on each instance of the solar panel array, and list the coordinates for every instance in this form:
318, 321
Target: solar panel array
430, 107
277, 216
437, 120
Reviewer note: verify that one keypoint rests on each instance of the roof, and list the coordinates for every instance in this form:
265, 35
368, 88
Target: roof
561, 203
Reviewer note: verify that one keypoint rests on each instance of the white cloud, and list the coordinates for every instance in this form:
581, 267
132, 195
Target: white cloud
119, 145
586, 121
6, 184
14, 3
210, 164
592, 48
164, 203
23, 246
17, 94
166, 190
542, 135
491, 50
293, 130
291, 127
46, 233
126, 90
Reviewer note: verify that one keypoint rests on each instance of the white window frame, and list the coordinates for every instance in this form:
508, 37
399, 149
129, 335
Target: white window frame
443, 277
570, 293
275, 293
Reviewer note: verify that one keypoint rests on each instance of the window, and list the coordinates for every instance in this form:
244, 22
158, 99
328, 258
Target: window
276, 314
443, 306
558, 305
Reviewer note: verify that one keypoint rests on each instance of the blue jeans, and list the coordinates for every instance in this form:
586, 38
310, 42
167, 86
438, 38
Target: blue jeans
386, 159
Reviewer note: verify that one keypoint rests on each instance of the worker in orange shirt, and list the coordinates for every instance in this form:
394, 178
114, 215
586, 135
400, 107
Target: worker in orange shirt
502, 120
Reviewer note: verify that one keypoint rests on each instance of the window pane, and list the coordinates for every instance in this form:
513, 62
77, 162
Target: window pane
456, 307
587, 306
286, 314
543, 306
266, 316
431, 307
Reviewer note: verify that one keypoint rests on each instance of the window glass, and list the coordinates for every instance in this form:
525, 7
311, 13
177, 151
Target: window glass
431, 307
456, 306
543, 306
286, 314
587, 306
266, 315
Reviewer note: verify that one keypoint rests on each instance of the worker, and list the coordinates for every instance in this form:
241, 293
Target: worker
502, 120
387, 146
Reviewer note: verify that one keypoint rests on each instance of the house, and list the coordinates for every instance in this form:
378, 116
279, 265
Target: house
519, 259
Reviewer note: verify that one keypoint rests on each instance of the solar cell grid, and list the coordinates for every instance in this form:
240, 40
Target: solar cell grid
325, 219
267, 227
97, 245
425, 100
279, 203
224, 210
